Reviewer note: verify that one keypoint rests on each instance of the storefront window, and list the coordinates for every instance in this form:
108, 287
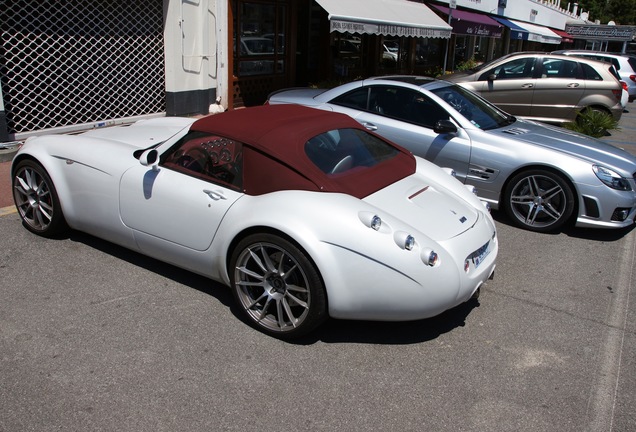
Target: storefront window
347, 52
390, 52
259, 39
427, 52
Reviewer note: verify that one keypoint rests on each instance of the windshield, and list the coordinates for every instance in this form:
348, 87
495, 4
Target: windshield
479, 112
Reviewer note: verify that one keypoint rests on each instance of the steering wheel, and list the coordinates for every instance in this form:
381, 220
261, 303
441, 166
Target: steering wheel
459, 104
197, 159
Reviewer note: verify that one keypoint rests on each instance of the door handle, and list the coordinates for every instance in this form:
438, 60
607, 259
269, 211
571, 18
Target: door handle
573, 85
215, 195
370, 126
529, 85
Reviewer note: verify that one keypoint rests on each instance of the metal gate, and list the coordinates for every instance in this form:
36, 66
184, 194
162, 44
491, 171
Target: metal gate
70, 62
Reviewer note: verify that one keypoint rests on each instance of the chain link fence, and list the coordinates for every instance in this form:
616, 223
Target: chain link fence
73, 62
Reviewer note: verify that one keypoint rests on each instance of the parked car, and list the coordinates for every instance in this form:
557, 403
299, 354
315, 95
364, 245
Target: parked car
542, 176
625, 65
545, 87
303, 213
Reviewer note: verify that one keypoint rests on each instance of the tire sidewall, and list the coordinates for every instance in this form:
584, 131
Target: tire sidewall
57, 224
556, 177
318, 302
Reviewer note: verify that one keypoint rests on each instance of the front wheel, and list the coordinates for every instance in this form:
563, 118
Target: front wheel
277, 287
539, 200
36, 199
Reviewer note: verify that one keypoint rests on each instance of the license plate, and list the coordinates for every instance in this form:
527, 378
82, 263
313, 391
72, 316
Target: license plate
480, 254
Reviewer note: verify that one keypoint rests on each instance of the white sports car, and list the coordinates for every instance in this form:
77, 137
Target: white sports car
303, 213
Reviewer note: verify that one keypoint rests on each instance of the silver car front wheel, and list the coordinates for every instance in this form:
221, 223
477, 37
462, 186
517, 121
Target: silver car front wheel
539, 200
277, 286
36, 199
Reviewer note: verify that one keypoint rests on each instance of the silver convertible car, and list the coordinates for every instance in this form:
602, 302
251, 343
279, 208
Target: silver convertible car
542, 176
302, 212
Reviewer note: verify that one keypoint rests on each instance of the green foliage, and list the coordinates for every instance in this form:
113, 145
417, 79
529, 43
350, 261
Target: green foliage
471, 63
593, 122
623, 12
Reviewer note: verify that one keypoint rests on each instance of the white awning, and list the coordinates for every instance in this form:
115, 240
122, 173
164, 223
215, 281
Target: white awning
385, 17
538, 33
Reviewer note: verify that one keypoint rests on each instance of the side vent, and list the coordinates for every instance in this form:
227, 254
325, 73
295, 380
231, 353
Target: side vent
482, 173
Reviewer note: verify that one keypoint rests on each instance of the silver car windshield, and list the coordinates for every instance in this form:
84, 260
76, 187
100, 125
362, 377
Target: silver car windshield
479, 112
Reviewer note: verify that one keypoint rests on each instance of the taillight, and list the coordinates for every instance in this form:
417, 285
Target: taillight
624, 84
632, 77
618, 94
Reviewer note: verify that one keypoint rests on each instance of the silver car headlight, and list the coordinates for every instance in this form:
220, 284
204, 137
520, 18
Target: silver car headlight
611, 178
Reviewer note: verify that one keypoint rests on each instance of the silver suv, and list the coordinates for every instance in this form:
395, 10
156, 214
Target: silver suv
625, 65
545, 87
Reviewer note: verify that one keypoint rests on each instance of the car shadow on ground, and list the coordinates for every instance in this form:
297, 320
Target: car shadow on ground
594, 234
332, 331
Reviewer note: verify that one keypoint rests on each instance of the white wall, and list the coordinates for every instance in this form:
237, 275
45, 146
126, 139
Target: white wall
195, 38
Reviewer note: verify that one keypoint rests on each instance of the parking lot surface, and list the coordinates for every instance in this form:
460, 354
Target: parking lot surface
94, 337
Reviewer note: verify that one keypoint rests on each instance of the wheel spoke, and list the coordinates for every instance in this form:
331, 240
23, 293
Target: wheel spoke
288, 311
533, 211
549, 210
280, 314
263, 312
250, 273
257, 259
269, 266
298, 301
255, 302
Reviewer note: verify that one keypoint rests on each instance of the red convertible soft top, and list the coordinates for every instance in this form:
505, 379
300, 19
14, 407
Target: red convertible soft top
274, 156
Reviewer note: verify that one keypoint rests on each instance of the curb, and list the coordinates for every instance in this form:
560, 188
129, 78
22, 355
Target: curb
7, 154
4, 211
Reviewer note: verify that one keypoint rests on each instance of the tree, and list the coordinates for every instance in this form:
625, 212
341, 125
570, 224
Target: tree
622, 12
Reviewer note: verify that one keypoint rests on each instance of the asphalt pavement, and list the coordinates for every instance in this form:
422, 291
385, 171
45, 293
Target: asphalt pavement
95, 337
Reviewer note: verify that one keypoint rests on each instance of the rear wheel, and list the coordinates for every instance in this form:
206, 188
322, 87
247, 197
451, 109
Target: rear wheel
277, 287
539, 200
36, 199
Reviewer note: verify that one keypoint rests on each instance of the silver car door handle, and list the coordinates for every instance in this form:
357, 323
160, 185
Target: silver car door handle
215, 195
370, 126
573, 85
529, 85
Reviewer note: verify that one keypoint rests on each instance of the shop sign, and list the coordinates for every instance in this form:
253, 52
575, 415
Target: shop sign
388, 30
601, 32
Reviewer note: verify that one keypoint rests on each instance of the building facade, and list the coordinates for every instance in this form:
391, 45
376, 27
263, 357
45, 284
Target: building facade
67, 66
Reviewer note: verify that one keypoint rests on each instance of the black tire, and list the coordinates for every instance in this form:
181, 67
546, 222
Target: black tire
277, 287
36, 199
539, 200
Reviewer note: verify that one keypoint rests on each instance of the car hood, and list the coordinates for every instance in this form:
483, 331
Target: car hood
426, 206
572, 143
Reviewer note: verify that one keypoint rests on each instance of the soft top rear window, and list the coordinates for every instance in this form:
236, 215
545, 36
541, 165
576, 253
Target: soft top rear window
341, 150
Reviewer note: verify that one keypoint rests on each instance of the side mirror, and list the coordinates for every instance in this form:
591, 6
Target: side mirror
445, 126
149, 157
492, 77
